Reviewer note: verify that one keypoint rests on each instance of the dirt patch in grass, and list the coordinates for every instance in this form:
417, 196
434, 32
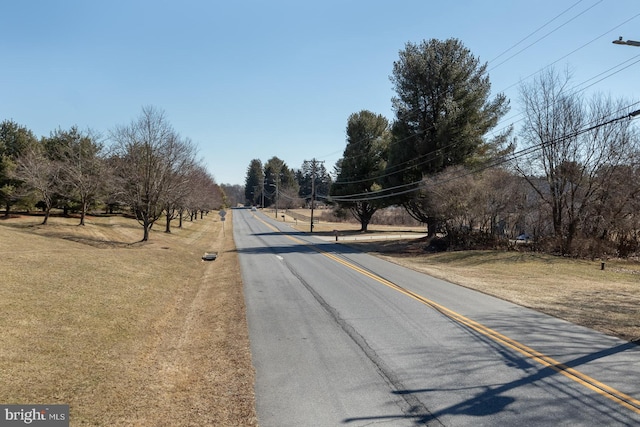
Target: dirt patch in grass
126, 333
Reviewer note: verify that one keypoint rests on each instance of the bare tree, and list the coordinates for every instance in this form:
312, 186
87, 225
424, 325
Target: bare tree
203, 194
179, 179
570, 143
234, 194
149, 152
41, 174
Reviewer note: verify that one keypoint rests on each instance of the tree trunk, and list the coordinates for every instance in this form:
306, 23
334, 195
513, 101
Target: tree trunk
167, 228
145, 236
46, 216
83, 213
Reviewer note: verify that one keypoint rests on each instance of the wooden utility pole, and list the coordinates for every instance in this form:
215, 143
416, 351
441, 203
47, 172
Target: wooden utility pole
314, 164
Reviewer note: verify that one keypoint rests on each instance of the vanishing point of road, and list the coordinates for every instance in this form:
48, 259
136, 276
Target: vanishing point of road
342, 338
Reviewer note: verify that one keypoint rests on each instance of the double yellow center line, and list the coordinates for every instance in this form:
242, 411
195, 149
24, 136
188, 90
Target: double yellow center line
547, 361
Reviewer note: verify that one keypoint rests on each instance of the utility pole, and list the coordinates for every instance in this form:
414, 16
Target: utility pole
314, 164
276, 199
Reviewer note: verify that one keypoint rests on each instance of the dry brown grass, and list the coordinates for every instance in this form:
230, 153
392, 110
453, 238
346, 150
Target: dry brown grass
127, 334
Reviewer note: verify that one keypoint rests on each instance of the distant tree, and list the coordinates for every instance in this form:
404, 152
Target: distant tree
14, 141
321, 180
113, 195
362, 165
254, 183
149, 152
443, 114
204, 194
234, 194
178, 181
280, 185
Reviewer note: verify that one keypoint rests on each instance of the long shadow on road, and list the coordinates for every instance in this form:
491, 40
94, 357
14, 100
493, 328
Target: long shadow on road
493, 399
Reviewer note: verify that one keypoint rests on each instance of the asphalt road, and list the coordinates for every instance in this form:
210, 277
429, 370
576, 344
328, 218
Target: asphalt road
339, 337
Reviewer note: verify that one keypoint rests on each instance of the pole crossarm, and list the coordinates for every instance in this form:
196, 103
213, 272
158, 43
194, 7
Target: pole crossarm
626, 42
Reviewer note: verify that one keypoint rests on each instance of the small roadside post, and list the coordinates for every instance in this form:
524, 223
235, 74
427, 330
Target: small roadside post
222, 214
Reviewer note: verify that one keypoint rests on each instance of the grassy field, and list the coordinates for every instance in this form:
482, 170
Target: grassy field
126, 333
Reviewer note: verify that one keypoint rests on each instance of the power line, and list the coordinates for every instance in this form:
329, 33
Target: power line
574, 90
570, 53
538, 29
429, 156
379, 194
546, 35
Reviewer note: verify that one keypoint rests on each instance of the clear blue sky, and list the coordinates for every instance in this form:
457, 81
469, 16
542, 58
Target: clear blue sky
255, 79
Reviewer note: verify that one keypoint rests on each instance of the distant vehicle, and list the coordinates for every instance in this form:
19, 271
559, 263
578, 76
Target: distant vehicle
253, 208
524, 237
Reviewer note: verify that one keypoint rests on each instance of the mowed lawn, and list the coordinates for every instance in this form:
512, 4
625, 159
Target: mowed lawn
126, 333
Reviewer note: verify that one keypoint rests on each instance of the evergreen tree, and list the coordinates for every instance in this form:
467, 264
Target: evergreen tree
443, 112
361, 168
254, 183
14, 141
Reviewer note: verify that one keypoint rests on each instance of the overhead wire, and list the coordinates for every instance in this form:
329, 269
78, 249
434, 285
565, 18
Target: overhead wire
535, 31
570, 53
546, 35
376, 195
429, 156
516, 44
498, 131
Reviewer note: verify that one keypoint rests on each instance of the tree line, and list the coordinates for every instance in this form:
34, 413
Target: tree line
148, 170
275, 184
565, 182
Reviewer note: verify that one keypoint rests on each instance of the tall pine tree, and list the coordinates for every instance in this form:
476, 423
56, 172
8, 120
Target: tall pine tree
443, 113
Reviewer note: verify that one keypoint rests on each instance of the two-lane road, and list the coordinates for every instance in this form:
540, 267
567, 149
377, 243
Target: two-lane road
342, 338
